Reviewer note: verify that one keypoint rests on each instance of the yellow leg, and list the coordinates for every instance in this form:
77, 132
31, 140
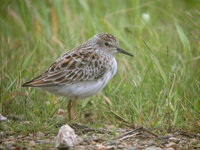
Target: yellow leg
74, 107
69, 105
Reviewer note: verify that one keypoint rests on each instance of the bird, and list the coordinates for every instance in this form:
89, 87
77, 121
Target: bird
82, 71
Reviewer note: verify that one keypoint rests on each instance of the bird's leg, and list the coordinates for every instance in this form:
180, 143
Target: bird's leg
69, 105
74, 107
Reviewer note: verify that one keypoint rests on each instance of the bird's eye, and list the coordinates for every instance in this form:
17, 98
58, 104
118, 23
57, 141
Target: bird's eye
106, 44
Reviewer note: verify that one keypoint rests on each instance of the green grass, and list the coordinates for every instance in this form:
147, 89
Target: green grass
35, 33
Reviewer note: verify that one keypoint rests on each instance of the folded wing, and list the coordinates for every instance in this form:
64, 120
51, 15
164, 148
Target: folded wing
79, 64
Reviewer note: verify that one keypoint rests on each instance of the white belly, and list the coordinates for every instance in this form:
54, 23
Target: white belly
83, 89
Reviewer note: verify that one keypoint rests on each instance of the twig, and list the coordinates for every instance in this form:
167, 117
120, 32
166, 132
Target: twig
137, 130
85, 128
150, 132
128, 136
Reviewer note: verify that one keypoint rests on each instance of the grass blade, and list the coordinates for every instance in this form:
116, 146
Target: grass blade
27, 61
184, 40
161, 71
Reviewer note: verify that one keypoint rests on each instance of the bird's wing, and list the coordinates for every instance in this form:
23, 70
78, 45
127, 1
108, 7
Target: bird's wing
79, 64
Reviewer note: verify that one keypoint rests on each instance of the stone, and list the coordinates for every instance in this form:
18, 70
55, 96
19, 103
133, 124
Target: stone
41, 141
183, 142
12, 139
2, 147
141, 136
131, 148
194, 141
66, 137
12, 148
168, 148
89, 147
112, 147
177, 133
197, 146
8, 146
61, 111
11, 132
5, 127
175, 140
2, 134
2, 118
39, 134
47, 141
114, 143
51, 142
168, 135
153, 148
20, 136
18, 146
172, 145
100, 146
165, 142
150, 143
80, 148
120, 146
32, 143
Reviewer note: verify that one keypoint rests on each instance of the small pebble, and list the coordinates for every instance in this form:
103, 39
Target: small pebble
131, 148
168, 135
51, 142
114, 143
39, 134
182, 142
84, 143
175, 140
197, 146
80, 147
8, 146
41, 141
47, 141
164, 142
11, 132
176, 133
171, 145
11, 138
2, 118
89, 147
2, 147
12, 148
120, 146
32, 143
141, 136
150, 143
2, 133
20, 136
153, 148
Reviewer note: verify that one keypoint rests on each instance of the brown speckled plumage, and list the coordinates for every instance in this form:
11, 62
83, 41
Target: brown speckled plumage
83, 71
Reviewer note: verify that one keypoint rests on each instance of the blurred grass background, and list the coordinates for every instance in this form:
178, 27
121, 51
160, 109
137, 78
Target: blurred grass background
35, 33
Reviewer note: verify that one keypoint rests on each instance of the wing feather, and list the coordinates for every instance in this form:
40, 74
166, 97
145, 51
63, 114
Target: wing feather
82, 63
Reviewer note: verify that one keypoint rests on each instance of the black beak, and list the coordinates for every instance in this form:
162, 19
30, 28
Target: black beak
123, 51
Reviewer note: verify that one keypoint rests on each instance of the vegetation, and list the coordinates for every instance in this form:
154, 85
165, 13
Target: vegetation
158, 88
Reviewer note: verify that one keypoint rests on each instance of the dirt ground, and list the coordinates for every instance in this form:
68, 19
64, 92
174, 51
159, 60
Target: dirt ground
103, 139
